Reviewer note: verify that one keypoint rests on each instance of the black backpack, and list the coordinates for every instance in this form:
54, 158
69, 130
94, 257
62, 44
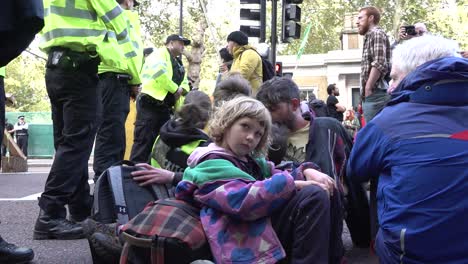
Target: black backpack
118, 198
268, 71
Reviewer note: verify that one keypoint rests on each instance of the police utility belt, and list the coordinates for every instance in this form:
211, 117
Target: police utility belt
149, 101
69, 60
121, 77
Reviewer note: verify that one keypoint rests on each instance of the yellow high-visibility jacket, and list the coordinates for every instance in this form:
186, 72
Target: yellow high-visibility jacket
132, 50
157, 76
85, 25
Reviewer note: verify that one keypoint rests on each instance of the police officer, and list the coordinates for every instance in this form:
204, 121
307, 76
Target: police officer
75, 36
116, 86
21, 130
164, 82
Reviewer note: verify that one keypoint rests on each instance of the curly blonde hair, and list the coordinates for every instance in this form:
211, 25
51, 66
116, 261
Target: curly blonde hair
239, 107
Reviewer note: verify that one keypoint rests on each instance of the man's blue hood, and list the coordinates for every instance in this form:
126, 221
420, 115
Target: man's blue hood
441, 81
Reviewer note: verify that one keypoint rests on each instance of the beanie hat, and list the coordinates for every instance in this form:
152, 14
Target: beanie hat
238, 37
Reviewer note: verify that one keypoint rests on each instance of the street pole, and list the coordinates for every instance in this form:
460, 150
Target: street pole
262, 21
274, 34
181, 17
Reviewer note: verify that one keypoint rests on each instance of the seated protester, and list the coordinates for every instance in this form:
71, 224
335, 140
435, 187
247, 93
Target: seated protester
279, 143
417, 148
231, 87
177, 139
179, 136
322, 140
252, 213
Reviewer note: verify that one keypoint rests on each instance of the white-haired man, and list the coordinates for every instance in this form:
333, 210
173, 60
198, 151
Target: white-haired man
417, 147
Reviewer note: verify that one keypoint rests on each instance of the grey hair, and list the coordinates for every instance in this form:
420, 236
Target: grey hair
417, 51
421, 26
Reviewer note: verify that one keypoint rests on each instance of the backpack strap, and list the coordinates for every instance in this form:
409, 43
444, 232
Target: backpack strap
115, 180
161, 191
157, 250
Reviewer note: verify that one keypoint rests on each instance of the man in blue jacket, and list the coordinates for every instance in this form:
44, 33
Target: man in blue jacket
417, 147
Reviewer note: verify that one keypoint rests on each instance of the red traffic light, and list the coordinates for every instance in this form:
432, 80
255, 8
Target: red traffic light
279, 69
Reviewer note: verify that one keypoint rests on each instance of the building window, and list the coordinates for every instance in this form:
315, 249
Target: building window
305, 92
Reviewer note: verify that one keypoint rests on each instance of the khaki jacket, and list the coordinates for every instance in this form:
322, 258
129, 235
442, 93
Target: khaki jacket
249, 64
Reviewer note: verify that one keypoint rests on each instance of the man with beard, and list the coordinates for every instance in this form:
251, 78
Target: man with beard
375, 62
335, 109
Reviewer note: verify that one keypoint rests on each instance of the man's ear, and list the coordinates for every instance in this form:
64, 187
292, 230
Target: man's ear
371, 18
295, 103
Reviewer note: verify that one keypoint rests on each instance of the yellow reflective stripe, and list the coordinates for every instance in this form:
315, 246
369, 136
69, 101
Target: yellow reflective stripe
131, 54
190, 147
122, 35
136, 45
123, 41
71, 11
112, 14
72, 32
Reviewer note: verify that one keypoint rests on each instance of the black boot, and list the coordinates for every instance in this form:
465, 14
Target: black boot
50, 227
11, 254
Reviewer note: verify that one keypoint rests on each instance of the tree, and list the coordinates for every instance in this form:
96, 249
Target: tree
25, 81
158, 21
445, 17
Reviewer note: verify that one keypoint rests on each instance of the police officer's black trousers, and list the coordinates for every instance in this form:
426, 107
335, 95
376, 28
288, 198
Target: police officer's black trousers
74, 98
149, 120
22, 141
114, 108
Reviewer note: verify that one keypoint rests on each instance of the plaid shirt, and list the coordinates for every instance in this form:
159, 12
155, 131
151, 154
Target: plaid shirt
376, 53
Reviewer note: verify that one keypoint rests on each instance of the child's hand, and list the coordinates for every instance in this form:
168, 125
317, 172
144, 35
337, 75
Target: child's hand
319, 177
152, 175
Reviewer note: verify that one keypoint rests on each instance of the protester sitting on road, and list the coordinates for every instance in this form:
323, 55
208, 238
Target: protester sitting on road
323, 141
417, 148
231, 87
177, 139
255, 209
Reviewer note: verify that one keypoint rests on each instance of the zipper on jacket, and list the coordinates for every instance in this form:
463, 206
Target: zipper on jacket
402, 244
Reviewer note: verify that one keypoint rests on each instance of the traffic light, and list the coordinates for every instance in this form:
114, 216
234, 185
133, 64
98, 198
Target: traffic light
291, 29
253, 15
279, 69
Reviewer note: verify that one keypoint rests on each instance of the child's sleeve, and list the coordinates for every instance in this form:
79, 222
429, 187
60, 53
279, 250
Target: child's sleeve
247, 200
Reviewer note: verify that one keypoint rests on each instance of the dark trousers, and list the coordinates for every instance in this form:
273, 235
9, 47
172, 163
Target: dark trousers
310, 227
22, 141
149, 120
2, 110
74, 99
114, 108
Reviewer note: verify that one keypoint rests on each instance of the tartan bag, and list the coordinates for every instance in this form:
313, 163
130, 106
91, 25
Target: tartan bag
166, 231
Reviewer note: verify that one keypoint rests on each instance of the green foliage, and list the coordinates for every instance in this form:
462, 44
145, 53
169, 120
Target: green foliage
25, 81
447, 18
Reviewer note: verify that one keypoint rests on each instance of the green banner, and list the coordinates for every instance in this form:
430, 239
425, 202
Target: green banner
304, 41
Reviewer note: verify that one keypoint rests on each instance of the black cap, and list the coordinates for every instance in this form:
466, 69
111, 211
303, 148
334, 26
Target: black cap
21, 116
238, 37
177, 37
